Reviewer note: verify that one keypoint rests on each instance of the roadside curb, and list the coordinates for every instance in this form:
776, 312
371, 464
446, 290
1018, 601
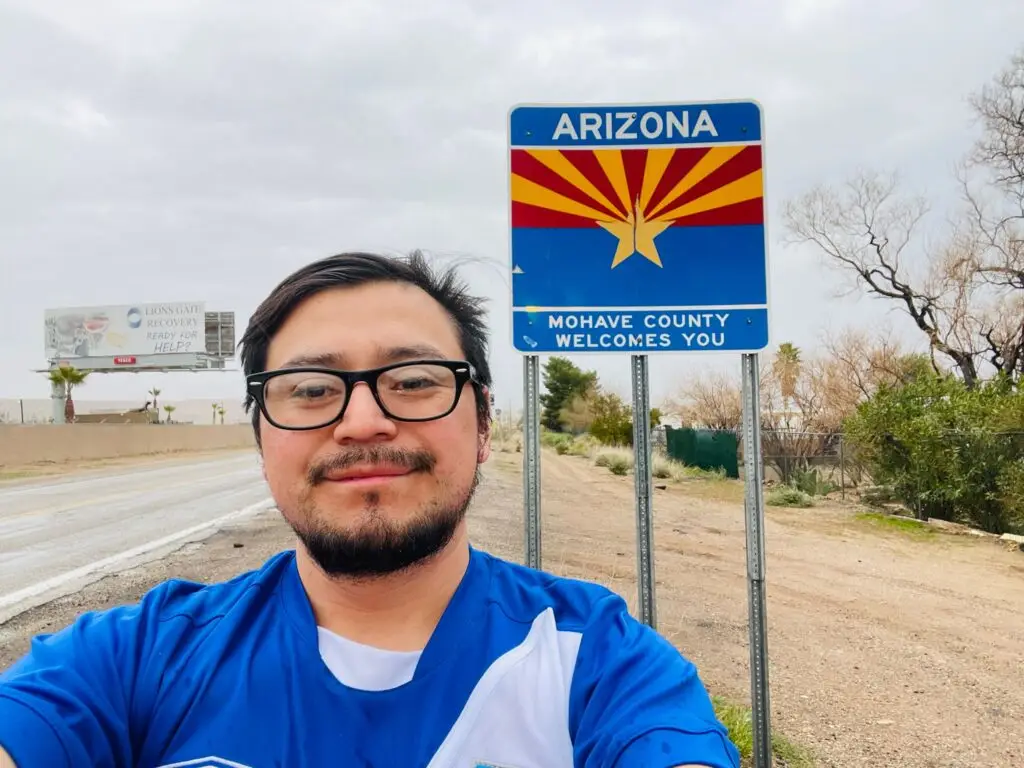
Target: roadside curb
67, 583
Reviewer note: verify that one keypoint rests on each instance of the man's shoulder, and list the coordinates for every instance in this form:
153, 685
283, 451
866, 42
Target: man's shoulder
203, 602
169, 619
175, 607
577, 604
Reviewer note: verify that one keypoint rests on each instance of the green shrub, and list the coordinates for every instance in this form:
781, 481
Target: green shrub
554, 439
788, 496
682, 472
618, 460
583, 445
945, 449
619, 465
878, 495
810, 482
612, 422
1011, 495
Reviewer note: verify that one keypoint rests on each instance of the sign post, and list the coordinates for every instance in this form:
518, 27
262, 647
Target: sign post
642, 481
639, 229
754, 509
531, 458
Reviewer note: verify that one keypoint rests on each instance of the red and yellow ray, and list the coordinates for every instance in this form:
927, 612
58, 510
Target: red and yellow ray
636, 194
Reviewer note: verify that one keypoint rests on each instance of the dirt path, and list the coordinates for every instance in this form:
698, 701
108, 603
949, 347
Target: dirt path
886, 650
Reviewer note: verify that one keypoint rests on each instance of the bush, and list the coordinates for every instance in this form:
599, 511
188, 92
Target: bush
618, 460
947, 451
661, 467
613, 421
584, 445
878, 495
788, 496
619, 465
1011, 495
682, 472
811, 483
554, 439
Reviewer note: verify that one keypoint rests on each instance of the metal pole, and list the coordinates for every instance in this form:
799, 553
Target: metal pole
643, 483
754, 507
842, 466
531, 458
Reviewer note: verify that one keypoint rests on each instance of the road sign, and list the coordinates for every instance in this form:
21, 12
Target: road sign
638, 229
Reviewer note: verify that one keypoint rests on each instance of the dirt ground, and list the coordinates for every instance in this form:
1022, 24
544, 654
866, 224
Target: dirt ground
16, 473
886, 649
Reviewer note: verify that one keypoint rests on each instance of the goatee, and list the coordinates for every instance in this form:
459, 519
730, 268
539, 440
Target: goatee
375, 546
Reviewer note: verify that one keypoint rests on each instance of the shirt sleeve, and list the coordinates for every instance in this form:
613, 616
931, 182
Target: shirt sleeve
636, 702
69, 701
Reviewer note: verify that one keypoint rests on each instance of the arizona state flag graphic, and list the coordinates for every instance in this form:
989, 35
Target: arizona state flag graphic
615, 209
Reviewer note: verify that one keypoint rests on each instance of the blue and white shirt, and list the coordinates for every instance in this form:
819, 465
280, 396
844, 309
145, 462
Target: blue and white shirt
524, 670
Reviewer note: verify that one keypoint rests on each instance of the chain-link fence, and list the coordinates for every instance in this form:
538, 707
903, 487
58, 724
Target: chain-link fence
791, 457
796, 457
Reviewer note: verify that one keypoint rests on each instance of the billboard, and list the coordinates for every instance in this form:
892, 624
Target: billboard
125, 330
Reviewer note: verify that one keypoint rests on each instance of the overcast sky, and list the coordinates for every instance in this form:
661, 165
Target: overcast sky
180, 150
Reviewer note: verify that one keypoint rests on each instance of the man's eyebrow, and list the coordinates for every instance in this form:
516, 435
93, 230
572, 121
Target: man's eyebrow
321, 360
410, 352
385, 355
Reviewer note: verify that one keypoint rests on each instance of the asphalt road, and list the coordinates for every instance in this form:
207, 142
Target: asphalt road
56, 532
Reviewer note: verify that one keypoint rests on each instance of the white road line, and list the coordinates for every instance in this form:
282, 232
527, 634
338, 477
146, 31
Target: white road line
64, 584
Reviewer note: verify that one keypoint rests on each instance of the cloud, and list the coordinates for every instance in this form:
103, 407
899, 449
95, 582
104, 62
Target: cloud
184, 149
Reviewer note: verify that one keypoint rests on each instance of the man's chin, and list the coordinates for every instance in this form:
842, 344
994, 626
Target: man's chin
378, 547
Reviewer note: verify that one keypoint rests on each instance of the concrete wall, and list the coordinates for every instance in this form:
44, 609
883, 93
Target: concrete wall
31, 443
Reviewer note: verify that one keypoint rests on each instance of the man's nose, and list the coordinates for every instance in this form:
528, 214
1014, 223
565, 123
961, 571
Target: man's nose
363, 420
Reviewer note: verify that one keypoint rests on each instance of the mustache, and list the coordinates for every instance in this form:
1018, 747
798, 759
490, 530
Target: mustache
414, 461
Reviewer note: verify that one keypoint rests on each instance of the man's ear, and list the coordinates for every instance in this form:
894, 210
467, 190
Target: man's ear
483, 450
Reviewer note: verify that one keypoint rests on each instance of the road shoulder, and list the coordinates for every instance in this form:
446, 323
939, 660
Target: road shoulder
234, 549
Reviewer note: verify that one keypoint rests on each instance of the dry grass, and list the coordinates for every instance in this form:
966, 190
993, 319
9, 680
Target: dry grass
619, 460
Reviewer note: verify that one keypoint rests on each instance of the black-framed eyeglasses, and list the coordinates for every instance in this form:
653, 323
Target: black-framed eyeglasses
312, 397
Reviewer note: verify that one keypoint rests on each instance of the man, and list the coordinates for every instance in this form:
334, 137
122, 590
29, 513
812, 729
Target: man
385, 639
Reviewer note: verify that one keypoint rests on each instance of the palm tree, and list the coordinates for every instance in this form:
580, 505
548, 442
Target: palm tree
156, 406
214, 419
220, 411
787, 366
170, 410
67, 378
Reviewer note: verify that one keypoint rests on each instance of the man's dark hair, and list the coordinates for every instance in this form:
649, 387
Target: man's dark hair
357, 268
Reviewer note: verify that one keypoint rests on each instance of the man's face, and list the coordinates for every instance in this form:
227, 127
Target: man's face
383, 523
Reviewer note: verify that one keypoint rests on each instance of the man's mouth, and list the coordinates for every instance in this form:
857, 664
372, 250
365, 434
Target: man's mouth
365, 474
377, 465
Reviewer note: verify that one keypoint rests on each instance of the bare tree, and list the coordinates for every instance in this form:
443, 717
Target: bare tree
967, 295
708, 401
867, 230
805, 397
1000, 106
996, 212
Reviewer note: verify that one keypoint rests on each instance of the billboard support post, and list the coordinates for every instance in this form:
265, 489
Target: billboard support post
57, 402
